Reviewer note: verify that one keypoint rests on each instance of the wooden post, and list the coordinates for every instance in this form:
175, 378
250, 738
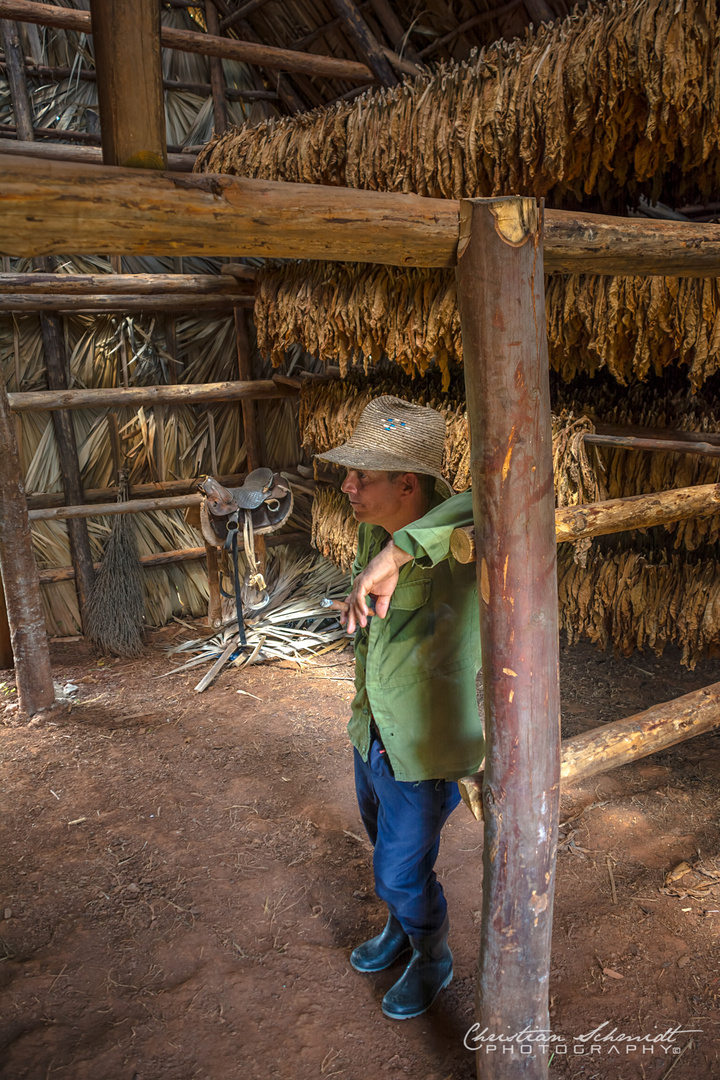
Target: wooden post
502, 312
251, 431
361, 36
217, 78
15, 67
130, 91
55, 362
19, 574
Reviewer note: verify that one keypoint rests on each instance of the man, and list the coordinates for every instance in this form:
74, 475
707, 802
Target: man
415, 724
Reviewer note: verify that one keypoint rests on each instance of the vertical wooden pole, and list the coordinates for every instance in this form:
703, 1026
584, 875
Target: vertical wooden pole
15, 67
251, 431
55, 362
502, 312
126, 39
19, 574
217, 78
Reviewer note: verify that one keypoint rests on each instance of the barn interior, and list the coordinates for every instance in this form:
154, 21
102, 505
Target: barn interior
190, 869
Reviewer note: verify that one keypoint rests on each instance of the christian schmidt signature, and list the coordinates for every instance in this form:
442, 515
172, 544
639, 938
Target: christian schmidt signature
601, 1040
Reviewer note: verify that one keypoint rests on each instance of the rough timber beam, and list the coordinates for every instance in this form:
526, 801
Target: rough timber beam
130, 94
247, 52
500, 284
51, 208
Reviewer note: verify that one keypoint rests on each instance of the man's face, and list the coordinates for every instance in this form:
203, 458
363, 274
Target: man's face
375, 499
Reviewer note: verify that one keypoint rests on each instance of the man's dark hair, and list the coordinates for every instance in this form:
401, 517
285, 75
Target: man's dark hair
426, 482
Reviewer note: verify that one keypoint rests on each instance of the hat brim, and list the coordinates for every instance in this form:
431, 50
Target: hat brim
378, 460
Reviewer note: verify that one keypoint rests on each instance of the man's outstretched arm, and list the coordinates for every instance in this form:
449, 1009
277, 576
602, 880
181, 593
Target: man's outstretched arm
426, 540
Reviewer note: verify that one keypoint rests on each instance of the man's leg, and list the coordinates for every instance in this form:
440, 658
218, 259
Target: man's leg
410, 818
381, 951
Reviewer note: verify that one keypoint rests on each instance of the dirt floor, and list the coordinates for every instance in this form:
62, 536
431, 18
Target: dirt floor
182, 878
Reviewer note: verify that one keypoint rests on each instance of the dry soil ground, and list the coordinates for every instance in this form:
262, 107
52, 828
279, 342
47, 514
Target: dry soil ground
182, 877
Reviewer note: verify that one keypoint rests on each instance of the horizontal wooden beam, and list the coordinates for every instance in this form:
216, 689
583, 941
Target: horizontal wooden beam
62, 74
56, 207
49, 208
579, 243
41, 500
135, 396
624, 741
193, 285
51, 575
130, 506
613, 516
635, 512
246, 52
662, 445
81, 155
179, 303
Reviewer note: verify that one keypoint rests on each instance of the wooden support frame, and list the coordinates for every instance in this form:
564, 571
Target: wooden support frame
359, 33
59, 206
130, 94
246, 52
501, 296
251, 429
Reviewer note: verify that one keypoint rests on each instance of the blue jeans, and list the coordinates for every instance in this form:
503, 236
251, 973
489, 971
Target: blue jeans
403, 821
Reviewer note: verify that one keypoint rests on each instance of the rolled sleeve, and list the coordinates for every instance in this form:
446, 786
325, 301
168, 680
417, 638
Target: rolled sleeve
428, 538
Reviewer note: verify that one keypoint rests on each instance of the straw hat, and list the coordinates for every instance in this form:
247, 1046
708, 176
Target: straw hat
393, 435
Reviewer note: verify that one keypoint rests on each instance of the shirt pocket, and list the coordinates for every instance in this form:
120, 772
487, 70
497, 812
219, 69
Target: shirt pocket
411, 595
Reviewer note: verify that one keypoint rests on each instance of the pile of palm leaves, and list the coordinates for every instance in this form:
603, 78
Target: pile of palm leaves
292, 626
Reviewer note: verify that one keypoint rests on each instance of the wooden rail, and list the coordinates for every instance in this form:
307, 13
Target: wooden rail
126, 284
663, 445
134, 396
613, 515
51, 575
130, 506
59, 206
41, 500
624, 741
82, 155
179, 303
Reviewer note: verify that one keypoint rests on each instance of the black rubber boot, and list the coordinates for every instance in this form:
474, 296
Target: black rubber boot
430, 970
380, 952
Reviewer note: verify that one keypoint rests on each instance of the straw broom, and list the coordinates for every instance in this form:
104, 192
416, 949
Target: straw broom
116, 606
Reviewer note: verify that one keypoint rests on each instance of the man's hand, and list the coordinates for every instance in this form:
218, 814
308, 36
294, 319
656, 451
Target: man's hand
378, 580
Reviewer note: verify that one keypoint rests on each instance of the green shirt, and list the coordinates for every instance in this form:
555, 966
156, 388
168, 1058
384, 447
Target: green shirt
415, 669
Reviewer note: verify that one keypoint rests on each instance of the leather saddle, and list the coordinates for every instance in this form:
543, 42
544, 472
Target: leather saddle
261, 505
265, 496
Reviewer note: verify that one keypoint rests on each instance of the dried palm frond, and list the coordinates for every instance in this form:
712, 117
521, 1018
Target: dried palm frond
293, 624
